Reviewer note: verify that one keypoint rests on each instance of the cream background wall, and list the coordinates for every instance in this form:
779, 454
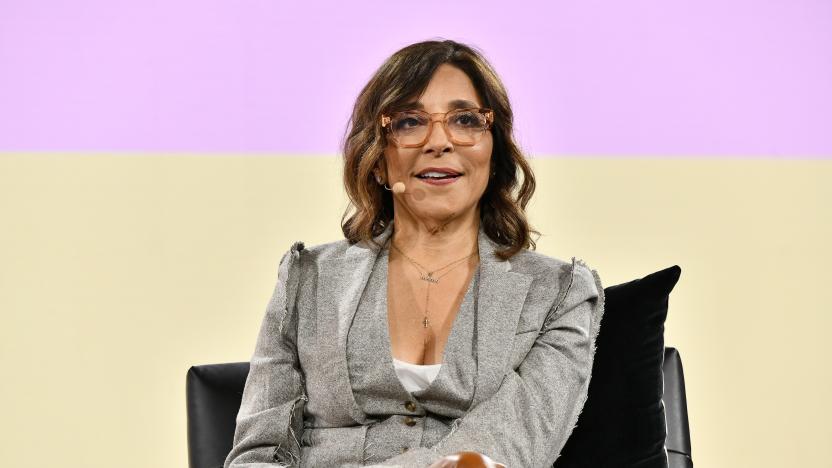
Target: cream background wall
119, 272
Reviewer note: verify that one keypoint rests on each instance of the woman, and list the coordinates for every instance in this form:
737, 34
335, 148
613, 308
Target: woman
431, 331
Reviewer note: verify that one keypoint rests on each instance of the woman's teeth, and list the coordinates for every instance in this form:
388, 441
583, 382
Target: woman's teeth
435, 175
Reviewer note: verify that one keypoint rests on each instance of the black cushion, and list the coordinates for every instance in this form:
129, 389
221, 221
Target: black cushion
623, 420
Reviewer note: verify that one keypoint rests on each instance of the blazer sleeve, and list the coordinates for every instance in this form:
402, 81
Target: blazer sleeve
270, 419
527, 421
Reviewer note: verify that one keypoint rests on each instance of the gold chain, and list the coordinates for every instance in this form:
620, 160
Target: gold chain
430, 278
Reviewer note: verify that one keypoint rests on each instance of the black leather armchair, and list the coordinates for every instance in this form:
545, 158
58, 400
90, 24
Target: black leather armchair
214, 392
676, 411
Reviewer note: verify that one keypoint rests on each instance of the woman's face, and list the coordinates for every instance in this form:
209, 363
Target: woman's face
441, 203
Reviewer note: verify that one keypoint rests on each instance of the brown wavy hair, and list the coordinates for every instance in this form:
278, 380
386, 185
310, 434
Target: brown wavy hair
402, 77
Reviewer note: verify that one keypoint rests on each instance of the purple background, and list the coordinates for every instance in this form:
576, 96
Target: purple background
670, 78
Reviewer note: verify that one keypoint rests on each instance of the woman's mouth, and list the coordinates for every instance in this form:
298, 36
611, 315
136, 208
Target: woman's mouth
438, 178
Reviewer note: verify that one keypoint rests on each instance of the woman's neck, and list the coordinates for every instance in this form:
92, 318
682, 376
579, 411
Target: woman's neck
433, 243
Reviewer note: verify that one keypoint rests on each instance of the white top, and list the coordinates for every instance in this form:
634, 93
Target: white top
415, 377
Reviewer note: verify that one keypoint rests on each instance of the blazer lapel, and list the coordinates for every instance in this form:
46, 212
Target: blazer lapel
341, 281
500, 300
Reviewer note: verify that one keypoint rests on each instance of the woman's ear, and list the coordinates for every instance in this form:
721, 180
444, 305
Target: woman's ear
380, 170
379, 174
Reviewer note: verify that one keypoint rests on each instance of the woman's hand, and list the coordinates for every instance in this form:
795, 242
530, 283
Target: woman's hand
466, 460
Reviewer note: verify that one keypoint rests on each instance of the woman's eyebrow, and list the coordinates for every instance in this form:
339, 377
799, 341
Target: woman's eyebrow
455, 104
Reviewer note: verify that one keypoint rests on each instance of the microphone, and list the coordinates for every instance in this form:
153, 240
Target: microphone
398, 187
418, 194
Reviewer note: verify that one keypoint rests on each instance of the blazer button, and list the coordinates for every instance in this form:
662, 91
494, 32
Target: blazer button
404, 449
410, 406
409, 421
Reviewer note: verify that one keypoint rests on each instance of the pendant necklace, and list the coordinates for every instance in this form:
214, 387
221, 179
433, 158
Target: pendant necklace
427, 276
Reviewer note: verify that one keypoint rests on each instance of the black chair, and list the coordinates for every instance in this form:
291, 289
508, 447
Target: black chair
676, 411
214, 392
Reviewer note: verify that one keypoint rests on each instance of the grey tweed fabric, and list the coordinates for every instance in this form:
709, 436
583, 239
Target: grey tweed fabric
322, 391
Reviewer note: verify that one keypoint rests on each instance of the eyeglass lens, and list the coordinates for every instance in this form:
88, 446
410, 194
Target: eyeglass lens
464, 126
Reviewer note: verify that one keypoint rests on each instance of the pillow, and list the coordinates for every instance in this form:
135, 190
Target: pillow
622, 423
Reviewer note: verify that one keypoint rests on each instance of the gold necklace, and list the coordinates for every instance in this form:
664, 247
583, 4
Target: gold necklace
428, 276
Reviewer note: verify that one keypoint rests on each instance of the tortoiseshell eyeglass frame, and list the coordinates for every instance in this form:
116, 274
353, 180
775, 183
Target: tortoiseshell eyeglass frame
387, 124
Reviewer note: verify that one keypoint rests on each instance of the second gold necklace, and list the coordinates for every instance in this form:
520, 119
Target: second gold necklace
429, 278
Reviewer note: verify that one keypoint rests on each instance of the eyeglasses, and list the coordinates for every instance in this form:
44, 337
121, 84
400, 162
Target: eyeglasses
412, 128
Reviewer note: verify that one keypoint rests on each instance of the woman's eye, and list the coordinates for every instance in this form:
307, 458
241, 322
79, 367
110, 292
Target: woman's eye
467, 119
408, 122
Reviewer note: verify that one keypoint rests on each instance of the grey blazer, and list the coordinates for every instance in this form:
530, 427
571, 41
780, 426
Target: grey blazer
537, 319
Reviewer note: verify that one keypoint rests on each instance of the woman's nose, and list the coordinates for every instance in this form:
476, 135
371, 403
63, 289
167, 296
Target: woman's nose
438, 138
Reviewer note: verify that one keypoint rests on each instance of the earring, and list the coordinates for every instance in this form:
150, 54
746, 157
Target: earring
378, 179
